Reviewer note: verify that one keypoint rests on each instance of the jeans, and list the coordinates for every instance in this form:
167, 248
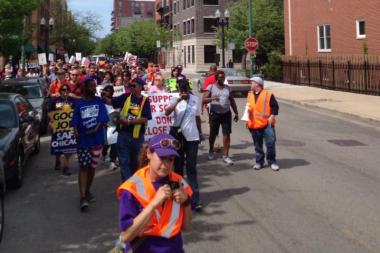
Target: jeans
267, 134
128, 150
189, 151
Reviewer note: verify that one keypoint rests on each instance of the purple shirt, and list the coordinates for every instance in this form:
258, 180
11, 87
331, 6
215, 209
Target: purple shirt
129, 209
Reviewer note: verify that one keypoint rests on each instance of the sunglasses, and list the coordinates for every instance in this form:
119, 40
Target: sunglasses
74, 75
157, 79
132, 86
166, 143
64, 90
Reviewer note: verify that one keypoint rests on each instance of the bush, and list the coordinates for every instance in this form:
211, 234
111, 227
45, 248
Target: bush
272, 70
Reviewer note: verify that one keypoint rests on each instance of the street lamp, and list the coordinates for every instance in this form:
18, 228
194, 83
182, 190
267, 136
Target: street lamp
222, 22
45, 28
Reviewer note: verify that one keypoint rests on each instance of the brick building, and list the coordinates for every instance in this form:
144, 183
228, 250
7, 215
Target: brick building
331, 27
128, 11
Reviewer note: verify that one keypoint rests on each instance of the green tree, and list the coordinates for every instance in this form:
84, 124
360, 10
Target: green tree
107, 45
138, 38
268, 27
12, 13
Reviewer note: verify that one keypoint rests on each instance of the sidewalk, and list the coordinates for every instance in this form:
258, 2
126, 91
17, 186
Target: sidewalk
366, 107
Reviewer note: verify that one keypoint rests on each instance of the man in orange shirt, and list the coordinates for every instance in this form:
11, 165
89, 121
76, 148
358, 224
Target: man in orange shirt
56, 85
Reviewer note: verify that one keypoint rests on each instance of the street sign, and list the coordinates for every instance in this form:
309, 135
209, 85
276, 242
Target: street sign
251, 44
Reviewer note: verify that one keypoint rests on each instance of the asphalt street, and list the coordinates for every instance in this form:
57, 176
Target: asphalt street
325, 198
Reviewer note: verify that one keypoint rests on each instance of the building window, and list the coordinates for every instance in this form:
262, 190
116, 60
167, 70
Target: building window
184, 4
184, 28
209, 25
188, 54
175, 8
324, 38
209, 54
192, 26
193, 54
210, 2
188, 27
136, 8
184, 54
360, 29
192, 2
188, 3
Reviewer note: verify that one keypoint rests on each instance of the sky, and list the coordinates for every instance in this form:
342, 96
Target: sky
101, 8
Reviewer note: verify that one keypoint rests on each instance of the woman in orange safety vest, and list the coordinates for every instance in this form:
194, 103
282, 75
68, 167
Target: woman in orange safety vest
155, 202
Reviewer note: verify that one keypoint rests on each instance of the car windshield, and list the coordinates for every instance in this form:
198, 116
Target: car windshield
28, 90
232, 72
7, 115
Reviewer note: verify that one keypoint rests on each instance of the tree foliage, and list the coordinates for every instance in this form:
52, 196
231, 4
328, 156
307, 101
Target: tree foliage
268, 27
12, 14
138, 38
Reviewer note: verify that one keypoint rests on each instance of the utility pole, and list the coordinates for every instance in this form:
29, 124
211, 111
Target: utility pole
22, 67
250, 27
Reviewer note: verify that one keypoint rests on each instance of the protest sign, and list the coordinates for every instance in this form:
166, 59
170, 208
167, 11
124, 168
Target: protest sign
72, 59
51, 57
63, 139
42, 59
67, 59
78, 57
160, 123
118, 90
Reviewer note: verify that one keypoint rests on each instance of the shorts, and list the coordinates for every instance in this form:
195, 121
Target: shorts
217, 119
89, 156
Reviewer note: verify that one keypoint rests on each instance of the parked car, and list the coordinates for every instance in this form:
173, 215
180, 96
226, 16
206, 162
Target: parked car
236, 80
2, 190
19, 135
35, 90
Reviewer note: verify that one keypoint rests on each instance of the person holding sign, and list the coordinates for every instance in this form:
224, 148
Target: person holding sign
63, 139
135, 113
90, 116
187, 130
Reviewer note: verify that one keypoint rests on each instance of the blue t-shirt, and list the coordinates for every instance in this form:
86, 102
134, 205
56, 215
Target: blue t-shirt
87, 114
118, 102
129, 209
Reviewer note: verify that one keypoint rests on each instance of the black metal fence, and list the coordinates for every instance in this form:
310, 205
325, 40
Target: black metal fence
359, 74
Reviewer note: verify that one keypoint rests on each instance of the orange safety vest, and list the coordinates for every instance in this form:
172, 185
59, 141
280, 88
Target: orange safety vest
167, 219
259, 111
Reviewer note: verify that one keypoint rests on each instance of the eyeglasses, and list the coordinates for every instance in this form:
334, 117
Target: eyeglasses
166, 143
74, 74
63, 90
132, 86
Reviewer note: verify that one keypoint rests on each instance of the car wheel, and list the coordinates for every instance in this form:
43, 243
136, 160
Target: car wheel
37, 147
18, 174
2, 212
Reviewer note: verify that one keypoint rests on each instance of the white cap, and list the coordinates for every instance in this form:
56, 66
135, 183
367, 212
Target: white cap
258, 80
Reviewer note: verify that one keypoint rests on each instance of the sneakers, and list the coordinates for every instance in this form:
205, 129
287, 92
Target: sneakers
228, 160
83, 204
257, 166
210, 156
113, 166
198, 207
90, 197
274, 167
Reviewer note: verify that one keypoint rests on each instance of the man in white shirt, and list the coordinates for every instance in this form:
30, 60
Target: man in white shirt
187, 129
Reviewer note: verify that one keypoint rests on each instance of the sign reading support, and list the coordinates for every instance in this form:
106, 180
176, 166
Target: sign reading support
160, 123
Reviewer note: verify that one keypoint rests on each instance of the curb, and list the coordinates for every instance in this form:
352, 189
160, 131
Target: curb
340, 114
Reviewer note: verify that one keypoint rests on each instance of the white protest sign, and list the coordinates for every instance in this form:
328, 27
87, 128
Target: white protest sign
42, 59
126, 56
51, 57
78, 57
118, 90
72, 59
83, 60
160, 123
67, 58
132, 59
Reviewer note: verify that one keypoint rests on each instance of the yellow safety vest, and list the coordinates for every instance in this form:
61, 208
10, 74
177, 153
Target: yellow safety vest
125, 110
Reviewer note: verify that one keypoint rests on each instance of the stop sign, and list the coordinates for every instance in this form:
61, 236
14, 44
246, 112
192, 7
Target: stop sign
251, 44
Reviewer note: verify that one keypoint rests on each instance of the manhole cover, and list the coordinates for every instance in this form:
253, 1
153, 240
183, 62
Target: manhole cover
347, 143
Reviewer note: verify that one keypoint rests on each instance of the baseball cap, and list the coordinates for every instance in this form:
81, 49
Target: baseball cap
179, 67
139, 81
258, 80
162, 145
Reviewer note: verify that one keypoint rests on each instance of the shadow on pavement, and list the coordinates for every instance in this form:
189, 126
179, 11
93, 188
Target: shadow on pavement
289, 163
222, 195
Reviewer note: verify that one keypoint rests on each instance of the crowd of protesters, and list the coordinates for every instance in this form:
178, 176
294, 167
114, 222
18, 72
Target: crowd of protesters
107, 125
